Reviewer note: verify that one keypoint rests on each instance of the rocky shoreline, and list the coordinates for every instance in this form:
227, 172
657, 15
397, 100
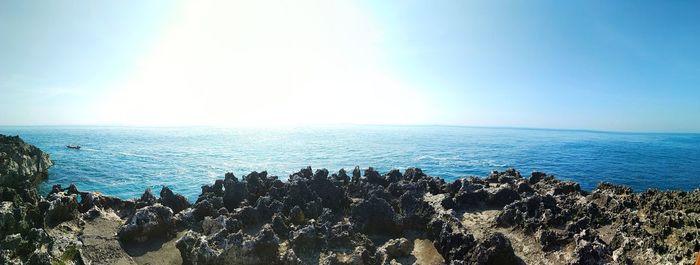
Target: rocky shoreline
356, 217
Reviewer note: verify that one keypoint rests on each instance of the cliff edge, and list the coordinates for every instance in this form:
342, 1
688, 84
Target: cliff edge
21, 163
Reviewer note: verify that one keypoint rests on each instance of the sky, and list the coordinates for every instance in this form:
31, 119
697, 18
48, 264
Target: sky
602, 65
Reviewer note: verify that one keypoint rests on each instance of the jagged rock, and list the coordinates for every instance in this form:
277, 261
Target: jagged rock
305, 240
502, 197
396, 248
547, 239
235, 192
8, 224
265, 246
536, 177
212, 226
448, 203
361, 255
255, 185
247, 215
195, 249
590, 249
471, 195
496, 249
279, 226
304, 173
331, 196
22, 166
373, 177
566, 187
90, 200
394, 176
267, 207
39, 257
296, 215
229, 248
330, 259
147, 223
21, 163
313, 216
176, 202
524, 187
356, 174
202, 209
290, 258
415, 212
147, 199
61, 207
298, 194
453, 245
531, 213
341, 178
375, 216
413, 174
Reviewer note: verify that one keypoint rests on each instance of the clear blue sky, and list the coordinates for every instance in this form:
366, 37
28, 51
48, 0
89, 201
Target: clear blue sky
625, 65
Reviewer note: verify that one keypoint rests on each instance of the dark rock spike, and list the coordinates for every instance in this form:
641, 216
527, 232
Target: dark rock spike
176, 202
356, 174
393, 176
230, 176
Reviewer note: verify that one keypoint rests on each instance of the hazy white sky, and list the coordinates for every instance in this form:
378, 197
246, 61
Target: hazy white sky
584, 64
249, 62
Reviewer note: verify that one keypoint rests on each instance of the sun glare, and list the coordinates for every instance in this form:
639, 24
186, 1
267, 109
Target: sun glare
253, 63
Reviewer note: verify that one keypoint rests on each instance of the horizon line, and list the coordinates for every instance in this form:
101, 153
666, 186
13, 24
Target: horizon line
360, 124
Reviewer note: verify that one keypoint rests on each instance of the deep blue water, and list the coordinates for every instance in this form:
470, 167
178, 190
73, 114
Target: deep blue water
123, 161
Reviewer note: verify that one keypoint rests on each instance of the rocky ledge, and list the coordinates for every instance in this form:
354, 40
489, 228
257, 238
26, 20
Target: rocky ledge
358, 217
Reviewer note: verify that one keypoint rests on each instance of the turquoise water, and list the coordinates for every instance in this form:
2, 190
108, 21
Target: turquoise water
123, 161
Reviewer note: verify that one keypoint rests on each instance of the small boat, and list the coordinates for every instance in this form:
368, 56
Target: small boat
73, 146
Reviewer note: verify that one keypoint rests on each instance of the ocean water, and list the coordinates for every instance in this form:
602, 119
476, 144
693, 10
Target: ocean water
123, 161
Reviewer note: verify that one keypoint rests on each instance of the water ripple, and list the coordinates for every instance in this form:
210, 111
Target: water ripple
124, 161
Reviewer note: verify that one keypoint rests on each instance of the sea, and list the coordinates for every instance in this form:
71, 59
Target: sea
124, 161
